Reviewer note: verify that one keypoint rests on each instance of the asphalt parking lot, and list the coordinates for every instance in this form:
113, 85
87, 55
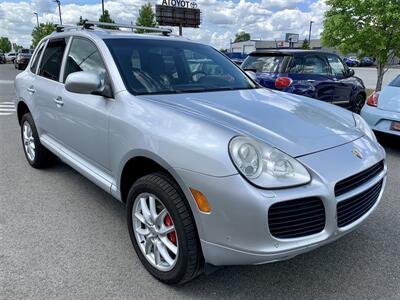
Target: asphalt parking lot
61, 237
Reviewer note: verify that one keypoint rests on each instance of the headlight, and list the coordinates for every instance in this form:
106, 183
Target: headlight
265, 166
363, 126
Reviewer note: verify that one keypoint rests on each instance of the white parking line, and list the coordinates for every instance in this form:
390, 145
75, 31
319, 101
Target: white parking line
6, 81
7, 108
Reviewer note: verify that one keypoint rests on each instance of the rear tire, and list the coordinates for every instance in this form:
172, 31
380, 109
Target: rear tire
36, 154
358, 103
188, 260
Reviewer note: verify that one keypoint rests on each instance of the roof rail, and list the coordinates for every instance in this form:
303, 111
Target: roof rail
91, 24
62, 28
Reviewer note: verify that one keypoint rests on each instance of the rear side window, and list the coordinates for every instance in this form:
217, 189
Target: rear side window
35, 60
296, 66
268, 63
52, 57
84, 56
315, 65
395, 82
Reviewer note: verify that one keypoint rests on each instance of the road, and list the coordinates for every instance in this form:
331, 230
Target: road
369, 76
61, 237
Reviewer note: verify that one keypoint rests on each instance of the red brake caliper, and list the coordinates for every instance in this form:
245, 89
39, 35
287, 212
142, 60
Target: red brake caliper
172, 235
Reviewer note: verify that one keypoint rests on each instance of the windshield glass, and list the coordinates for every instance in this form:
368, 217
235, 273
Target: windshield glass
268, 63
395, 82
161, 67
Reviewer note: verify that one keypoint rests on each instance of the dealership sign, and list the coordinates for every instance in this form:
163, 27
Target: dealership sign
180, 3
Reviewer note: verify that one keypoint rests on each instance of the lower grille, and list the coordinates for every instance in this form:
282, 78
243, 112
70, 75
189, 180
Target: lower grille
296, 218
352, 209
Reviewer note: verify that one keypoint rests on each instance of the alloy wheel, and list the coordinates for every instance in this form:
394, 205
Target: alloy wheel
29, 141
155, 232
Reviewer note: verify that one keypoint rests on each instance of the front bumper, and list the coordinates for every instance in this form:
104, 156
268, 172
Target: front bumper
380, 120
236, 231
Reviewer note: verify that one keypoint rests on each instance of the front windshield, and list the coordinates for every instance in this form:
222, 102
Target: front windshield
161, 67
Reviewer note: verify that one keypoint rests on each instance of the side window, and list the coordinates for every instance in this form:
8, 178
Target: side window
52, 58
35, 60
315, 65
84, 56
338, 68
296, 66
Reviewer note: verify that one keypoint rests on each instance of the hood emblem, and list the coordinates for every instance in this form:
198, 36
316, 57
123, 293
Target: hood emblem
357, 153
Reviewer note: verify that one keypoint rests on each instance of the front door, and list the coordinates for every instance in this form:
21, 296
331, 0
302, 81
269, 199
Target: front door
344, 84
83, 124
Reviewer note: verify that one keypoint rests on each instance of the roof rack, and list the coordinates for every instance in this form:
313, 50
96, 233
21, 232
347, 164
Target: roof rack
91, 24
62, 28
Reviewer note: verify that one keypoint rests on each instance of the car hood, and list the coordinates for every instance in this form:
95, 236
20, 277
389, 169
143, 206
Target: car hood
389, 99
294, 124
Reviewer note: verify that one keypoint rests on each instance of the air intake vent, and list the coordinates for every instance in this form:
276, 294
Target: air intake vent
352, 209
296, 218
355, 181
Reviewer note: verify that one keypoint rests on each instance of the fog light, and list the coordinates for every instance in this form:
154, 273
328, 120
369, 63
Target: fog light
201, 201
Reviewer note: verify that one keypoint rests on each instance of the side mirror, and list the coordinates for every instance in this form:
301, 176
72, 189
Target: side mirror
350, 73
251, 74
83, 83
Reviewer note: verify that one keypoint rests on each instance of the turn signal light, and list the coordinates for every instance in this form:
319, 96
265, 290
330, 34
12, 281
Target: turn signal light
373, 99
283, 82
201, 200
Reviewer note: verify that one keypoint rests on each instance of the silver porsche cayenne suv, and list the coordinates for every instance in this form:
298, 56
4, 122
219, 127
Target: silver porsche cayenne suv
214, 170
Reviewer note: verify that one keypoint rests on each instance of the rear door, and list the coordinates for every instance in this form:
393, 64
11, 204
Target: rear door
343, 84
313, 76
47, 87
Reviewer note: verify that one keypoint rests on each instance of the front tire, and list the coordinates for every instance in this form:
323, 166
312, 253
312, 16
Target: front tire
36, 154
162, 229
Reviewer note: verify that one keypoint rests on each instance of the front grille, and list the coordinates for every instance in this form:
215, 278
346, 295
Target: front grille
355, 181
351, 209
296, 218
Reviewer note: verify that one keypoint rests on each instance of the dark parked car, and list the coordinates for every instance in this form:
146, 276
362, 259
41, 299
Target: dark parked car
351, 61
22, 59
2, 57
314, 74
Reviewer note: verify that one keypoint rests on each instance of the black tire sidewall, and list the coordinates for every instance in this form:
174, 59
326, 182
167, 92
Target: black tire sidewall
175, 275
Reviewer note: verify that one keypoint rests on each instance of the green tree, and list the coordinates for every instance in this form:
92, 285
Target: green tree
18, 47
305, 44
81, 21
5, 44
40, 32
242, 37
369, 28
106, 18
146, 18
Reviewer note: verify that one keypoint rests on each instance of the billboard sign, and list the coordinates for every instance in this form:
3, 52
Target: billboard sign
292, 38
180, 3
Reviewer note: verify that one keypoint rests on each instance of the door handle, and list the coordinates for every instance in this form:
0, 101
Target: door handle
31, 90
59, 101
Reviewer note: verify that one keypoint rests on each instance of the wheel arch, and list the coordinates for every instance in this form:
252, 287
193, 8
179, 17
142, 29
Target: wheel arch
22, 109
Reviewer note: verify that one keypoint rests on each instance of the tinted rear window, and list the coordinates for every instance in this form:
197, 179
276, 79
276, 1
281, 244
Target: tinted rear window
395, 82
267, 63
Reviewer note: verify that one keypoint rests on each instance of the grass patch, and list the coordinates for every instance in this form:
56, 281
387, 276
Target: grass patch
369, 91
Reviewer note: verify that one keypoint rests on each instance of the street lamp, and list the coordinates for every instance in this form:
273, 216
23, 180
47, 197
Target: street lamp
102, 6
37, 18
59, 9
309, 34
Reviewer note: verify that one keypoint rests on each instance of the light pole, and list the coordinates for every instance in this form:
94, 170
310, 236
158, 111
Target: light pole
102, 6
59, 9
309, 34
37, 18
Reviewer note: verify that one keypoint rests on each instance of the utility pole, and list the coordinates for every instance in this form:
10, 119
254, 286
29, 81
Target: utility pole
59, 9
102, 6
309, 34
37, 18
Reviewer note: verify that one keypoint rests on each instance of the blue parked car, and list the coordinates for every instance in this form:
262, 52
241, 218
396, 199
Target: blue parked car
366, 62
351, 61
314, 74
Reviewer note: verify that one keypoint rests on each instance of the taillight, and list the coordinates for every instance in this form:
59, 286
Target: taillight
373, 99
283, 82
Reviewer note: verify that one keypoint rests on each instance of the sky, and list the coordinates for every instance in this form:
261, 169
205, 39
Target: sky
221, 19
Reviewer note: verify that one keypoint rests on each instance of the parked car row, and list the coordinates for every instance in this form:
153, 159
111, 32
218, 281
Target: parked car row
355, 62
20, 59
320, 75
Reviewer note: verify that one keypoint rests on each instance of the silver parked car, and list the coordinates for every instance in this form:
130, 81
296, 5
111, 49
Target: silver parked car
214, 170
382, 109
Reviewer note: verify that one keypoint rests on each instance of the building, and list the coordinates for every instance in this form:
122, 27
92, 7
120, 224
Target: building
253, 45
